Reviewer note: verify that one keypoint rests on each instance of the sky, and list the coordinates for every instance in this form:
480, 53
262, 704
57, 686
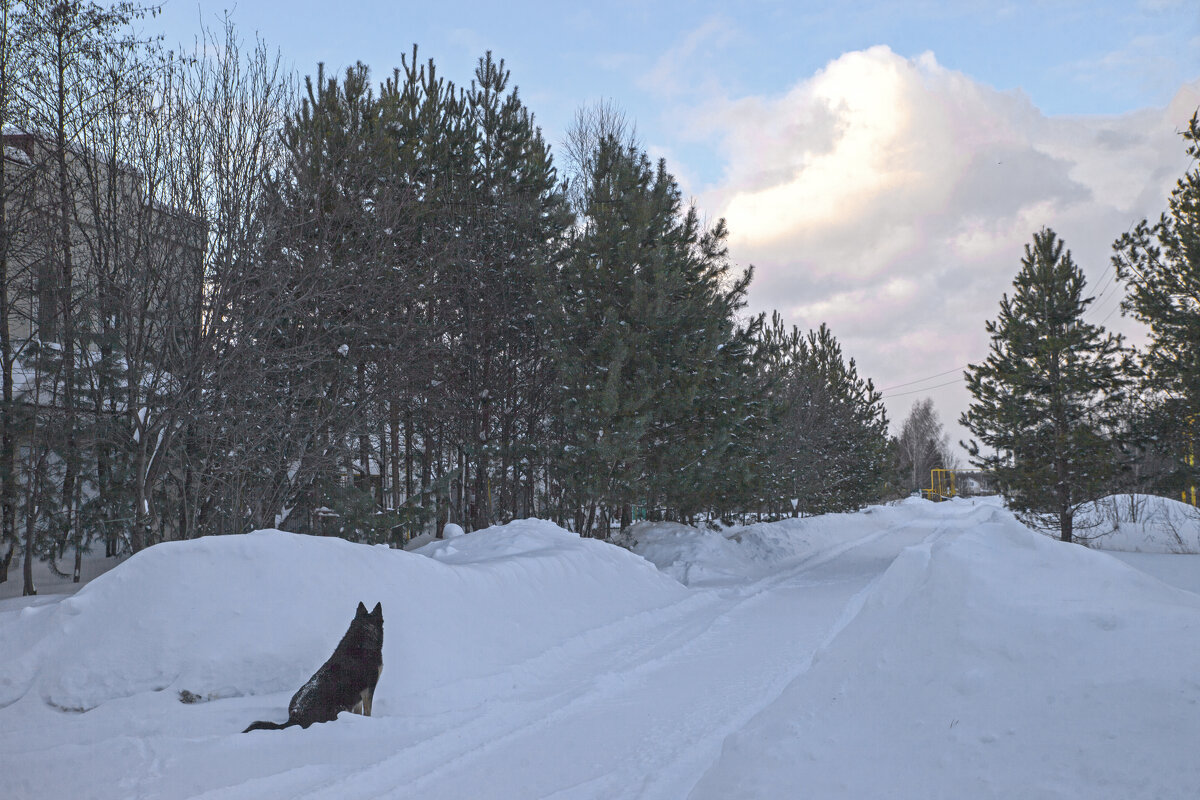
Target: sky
881, 164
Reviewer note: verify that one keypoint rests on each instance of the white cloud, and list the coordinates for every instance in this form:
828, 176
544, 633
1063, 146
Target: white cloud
674, 72
891, 198
1145, 62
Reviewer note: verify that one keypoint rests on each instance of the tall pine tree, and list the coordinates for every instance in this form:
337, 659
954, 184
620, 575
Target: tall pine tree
647, 344
1161, 265
1047, 398
825, 445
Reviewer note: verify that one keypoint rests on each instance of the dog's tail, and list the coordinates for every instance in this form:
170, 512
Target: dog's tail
270, 726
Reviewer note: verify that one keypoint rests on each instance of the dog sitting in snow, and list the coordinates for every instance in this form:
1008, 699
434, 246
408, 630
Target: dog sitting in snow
346, 682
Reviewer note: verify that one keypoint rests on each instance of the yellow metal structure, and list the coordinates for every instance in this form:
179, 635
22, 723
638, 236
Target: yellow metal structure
942, 485
947, 483
1190, 458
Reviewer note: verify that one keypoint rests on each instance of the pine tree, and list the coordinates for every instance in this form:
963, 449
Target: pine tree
1047, 398
601, 337
515, 222
309, 306
650, 354
432, 139
1161, 266
826, 443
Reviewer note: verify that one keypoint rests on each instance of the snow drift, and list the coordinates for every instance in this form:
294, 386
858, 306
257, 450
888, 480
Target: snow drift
1141, 523
912, 650
236, 615
989, 662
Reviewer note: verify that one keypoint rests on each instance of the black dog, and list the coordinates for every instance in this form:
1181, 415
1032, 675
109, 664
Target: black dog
346, 682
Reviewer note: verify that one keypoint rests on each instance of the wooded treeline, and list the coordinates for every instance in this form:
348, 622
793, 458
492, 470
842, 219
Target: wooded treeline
232, 301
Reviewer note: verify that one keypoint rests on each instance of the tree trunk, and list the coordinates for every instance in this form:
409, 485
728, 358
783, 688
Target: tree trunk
508, 503
66, 278
426, 460
7, 560
364, 444
8, 472
139, 535
104, 487
483, 494
530, 509
409, 452
460, 493
591, 520
394, 437
385, 463
188, 516
30, 532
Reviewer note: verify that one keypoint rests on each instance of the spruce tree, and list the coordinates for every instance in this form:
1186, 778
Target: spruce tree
1047, 398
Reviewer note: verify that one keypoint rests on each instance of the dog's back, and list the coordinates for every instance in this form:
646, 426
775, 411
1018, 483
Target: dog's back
346, 682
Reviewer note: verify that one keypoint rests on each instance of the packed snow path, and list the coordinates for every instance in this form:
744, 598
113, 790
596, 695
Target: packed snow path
641, 708
910, 651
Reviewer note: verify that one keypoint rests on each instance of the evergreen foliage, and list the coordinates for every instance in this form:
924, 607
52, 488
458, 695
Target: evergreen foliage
366, 310
647, 343
1047, 399
1160, 264
825, 443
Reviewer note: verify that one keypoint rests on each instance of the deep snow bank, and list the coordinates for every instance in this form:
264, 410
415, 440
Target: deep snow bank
989, 662
1141, 523
234, 615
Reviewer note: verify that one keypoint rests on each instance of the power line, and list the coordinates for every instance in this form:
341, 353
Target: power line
926, 378
1110, 313
1107, 308
926, 389
1105, 286
1108, 284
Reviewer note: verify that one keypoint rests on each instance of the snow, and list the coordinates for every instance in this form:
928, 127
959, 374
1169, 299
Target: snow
911, 650
992, 647
17, 155
1139, 523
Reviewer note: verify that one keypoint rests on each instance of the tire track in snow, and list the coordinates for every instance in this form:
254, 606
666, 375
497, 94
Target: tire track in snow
691, 769
662, 650
850, 611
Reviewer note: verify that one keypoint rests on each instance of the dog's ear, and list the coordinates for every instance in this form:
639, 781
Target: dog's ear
377, 611
361, 611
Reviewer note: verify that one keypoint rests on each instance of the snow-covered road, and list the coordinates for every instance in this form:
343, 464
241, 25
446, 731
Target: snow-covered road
525, 663
643, 708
